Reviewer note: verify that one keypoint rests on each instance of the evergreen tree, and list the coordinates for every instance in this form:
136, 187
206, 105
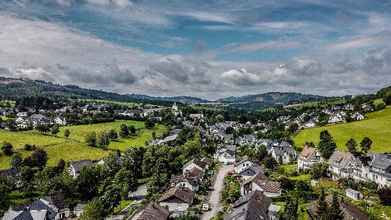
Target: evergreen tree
322, 206
335, 211
352, 146
326, 144
365, 145
291, 208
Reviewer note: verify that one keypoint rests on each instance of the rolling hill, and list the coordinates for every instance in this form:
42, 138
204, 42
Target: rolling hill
376, 126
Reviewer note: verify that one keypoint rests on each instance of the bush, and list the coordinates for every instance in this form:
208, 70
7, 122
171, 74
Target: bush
7, 148
29, 147
39, 158
90, 139
385, 196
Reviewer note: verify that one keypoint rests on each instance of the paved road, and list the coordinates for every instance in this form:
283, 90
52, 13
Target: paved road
214, 199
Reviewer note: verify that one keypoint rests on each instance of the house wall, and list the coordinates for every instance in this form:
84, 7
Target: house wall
175, 207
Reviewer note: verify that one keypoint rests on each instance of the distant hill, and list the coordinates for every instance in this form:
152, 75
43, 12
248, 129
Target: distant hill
11, 88
179, 99
270, 99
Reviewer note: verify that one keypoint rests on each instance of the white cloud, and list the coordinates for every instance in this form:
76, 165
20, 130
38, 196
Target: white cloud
251, 47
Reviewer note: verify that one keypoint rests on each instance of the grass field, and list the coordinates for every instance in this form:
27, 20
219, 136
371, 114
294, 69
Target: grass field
74, 148
377, 127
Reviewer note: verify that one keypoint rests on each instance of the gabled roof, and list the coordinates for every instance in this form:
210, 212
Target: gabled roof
183, 194
253, 206
308, 152
381, 161
152, 212
265, 184
342, 159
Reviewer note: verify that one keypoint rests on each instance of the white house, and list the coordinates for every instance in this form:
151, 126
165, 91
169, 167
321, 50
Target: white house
177, 200
357, 116
260, 182
226, 154
307, 158
353, 194
60, 121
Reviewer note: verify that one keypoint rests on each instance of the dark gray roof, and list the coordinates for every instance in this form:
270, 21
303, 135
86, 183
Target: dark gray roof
253, 206
381, 161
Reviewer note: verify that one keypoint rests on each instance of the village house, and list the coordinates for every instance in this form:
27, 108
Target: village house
60, 121
357, 116
75, 167
39, 119
379, 169
226, 154
246, 169
344, 165
262, 183
181, 181
336, 118
22, 123
49, 208
177, 200
353, 194
152, 211
307, 158
200, 164
282, 152
252, 206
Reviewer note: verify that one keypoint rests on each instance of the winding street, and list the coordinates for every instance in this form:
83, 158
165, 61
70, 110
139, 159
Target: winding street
215, 196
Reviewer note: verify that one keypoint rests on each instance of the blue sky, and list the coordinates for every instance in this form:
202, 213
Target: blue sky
206, 48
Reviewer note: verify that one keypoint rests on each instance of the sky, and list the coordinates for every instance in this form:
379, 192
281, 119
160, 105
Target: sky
204, 48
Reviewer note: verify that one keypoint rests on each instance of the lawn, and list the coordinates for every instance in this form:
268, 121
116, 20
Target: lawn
74, 148
377, 127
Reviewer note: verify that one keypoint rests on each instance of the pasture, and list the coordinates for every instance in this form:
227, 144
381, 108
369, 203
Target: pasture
74, 148
377, 126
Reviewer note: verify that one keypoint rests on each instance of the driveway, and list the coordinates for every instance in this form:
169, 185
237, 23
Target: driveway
215, 196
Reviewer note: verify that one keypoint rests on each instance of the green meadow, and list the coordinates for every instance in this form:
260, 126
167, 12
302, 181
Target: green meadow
377, 126
58, 147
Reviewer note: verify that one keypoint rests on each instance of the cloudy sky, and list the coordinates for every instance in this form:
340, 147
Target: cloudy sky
204, 48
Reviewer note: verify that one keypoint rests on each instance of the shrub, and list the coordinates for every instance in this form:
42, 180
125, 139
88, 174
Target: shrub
7, 148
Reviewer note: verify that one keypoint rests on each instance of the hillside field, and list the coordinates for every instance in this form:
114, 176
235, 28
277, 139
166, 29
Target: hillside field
377, 126
74, 147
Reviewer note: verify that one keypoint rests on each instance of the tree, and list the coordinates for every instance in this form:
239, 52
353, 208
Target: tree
322, 206
124, 131
219, 118
103, 140
365, 145
113, 134
90, 139
387, 99
87, 182
326, 144
149, 124
16, 161
39, 158
292, 205
93, 211
319, 170
54, 130
43, 128
335, 211
7, 148
270, 163
385, 196
4, 191
67, 133
132, 129
352, 146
